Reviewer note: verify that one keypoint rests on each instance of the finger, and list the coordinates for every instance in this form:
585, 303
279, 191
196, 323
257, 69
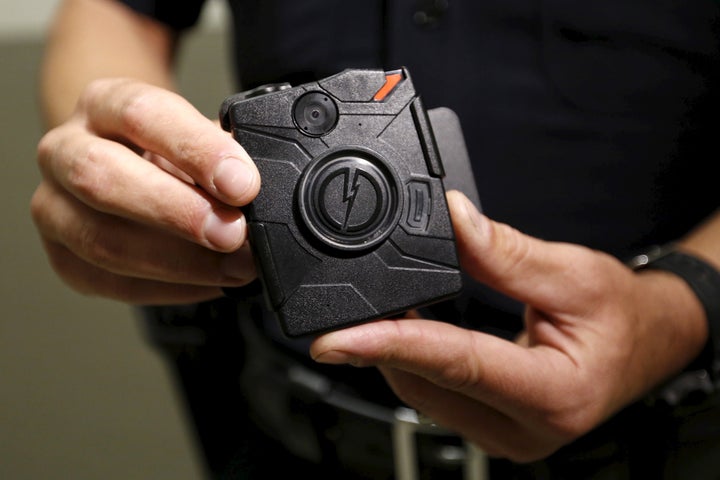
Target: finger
499, 373
490, 430
88, 279
129, 249
531, 270
163, 163
166, 124
112, 178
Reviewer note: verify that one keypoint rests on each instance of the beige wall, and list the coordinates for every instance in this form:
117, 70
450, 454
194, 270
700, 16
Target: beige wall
82, 396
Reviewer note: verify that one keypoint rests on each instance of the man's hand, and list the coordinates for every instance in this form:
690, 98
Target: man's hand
139, 198
597, 337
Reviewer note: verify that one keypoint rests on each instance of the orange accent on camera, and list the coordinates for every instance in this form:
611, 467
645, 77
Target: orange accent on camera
391, 81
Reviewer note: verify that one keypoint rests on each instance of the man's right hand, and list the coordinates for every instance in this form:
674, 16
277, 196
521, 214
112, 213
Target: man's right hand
139, 195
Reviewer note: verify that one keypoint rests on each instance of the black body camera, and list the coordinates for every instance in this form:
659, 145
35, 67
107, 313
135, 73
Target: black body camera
351, 223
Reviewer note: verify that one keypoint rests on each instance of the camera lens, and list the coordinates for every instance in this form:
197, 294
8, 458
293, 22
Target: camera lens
315, 114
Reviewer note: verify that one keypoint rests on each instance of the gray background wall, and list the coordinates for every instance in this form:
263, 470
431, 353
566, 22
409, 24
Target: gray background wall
82, 395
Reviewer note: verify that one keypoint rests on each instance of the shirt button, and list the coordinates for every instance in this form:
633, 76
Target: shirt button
429, 12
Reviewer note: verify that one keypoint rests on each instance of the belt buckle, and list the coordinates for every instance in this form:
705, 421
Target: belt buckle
407, 423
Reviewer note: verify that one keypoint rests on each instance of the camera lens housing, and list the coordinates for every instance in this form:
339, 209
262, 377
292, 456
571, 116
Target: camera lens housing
315, 114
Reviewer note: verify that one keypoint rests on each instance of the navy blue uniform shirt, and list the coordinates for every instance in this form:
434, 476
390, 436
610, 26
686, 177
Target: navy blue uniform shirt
590, 122
586, 122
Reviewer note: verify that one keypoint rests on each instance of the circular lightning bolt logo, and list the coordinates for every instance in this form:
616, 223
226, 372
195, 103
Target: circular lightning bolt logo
351, 191
348, 201
359, 198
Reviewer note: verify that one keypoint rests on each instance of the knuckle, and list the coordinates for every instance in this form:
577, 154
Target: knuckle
458, 375
79, 164
87, 241
49, 147
46, 146
99, 246
459, 372
131, 103
37, 206
95, 93
135, 112
84, 172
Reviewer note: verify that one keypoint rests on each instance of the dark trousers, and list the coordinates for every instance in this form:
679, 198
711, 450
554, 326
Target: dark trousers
207, 352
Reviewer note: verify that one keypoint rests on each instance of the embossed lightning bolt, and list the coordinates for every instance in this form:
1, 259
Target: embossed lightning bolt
350, 193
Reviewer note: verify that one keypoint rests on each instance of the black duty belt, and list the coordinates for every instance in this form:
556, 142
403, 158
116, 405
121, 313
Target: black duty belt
316, 420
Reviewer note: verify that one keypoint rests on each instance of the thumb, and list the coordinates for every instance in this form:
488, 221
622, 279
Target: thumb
531, 270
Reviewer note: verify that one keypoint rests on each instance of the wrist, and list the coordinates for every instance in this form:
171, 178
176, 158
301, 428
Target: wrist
689, 300
673, 311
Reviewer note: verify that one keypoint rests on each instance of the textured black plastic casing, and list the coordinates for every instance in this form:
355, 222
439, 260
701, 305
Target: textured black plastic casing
351, 223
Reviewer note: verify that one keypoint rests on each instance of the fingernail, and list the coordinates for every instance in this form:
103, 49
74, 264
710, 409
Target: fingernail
238, 265
335, 357
234, 178
225, 230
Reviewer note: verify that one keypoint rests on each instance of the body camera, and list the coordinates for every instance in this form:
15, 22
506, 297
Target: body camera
351, 223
